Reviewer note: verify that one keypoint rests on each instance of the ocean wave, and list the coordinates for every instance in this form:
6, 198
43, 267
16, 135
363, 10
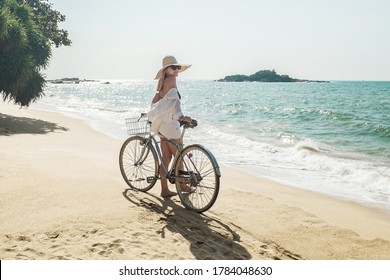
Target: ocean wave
288, 163
287, 138
382, 130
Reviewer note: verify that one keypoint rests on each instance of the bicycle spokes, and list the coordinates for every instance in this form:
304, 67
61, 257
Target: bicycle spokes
138, 163
197, 169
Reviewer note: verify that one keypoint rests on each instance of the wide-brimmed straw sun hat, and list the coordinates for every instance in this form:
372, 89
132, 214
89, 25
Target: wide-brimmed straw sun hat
169, 61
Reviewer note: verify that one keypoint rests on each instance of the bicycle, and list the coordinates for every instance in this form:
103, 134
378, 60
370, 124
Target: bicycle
193, 165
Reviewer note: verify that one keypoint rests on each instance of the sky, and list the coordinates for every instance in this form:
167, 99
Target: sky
305, 39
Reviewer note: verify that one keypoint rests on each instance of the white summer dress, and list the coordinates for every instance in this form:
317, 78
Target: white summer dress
164, 115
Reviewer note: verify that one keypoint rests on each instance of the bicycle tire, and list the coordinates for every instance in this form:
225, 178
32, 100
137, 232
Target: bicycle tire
198, 169
138, 163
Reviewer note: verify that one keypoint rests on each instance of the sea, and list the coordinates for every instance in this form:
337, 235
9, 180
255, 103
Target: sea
332, 138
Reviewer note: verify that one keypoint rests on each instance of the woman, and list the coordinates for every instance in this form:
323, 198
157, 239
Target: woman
166, 114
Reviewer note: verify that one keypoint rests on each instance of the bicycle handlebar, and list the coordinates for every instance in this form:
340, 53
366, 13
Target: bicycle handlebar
192, 124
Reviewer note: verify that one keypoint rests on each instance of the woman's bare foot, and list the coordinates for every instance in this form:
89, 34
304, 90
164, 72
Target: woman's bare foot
168, 194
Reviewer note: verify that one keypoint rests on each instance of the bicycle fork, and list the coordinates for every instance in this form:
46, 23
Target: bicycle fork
144, 154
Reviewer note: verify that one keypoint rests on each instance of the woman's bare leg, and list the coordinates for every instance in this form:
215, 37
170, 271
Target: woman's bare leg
167, 156
173, 149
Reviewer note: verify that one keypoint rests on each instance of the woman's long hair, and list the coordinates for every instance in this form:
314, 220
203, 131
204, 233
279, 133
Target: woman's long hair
160, 84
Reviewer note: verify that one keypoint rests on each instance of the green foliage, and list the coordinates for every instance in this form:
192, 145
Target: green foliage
260, 76
25, 47
47, 20
269, 76
266, 76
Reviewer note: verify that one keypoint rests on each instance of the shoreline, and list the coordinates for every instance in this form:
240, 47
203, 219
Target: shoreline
374, 206
272, 148
63, 197
103, 128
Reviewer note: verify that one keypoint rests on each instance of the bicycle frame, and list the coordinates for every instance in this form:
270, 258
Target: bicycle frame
193, 169
156, 143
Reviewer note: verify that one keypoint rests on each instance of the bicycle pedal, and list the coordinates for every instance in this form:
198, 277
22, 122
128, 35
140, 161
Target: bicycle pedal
137, 180
182, 172
150, 179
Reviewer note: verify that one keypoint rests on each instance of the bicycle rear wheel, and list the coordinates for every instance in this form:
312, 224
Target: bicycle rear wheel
138, 163
197, 178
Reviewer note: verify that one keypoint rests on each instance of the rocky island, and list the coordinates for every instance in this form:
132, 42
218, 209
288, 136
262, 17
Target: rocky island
265, 76
70, 81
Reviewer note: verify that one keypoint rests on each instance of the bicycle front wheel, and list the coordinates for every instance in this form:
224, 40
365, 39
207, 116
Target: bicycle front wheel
138, 163
197, 178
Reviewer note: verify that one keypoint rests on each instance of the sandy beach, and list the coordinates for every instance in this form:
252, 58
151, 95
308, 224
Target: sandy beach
62, 197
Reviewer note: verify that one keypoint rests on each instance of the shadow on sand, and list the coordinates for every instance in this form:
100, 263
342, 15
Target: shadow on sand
11, 125
209, 237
